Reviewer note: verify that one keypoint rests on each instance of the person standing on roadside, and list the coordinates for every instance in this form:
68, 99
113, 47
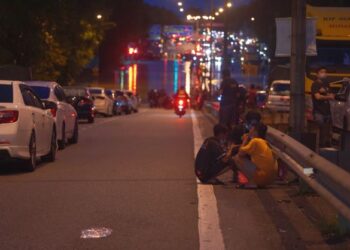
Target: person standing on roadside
321, 96
229, 99
251, 97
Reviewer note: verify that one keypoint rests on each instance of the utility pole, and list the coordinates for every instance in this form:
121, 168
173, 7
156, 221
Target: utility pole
212, 47
226, 62
297, 69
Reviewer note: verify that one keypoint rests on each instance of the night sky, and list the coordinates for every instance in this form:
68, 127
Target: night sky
203, 4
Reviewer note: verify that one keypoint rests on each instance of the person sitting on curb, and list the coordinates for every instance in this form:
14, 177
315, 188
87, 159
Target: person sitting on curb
256, 159
214, 157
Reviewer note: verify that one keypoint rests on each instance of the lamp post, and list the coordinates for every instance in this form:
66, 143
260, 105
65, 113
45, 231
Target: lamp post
226, 61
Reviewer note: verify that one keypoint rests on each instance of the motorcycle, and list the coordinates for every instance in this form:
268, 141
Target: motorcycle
180, 107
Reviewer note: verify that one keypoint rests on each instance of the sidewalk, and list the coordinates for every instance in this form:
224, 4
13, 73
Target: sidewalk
274, 218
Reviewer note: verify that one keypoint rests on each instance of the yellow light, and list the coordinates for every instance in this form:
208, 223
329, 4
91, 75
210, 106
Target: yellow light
130, 77
229, 5
189, 17
99, 16
221, 10
134, 88
217, 14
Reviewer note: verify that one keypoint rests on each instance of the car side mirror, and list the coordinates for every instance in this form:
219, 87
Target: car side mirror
49, 105
340, 97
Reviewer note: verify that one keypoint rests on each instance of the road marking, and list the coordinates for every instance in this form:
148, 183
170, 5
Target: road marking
210, 234
96, 233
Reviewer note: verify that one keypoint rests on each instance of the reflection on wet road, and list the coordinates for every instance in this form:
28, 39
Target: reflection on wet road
166, 74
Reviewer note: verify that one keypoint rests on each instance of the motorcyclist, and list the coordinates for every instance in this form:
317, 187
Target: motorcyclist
181, 94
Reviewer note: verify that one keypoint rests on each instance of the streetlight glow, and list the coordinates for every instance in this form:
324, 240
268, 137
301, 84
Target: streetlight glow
229, 5
179, 4
221, 10
181, 9
217, 14
99, 16
252, 19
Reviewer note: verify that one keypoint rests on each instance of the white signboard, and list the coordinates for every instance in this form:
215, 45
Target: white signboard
284, 35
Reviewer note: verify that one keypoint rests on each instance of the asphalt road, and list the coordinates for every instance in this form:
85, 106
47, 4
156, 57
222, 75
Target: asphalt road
132, 174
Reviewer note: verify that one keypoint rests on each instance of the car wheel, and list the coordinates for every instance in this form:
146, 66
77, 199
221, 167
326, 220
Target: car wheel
51, 156
31, 163
62, 142
75, 137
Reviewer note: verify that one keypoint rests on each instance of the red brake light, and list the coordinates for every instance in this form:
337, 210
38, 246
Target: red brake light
53, 112
8, 116
82, 103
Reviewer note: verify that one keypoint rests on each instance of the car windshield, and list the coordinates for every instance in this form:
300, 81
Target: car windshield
96, 91
75, 92
280, 89
109, 92
42, 92
6, 93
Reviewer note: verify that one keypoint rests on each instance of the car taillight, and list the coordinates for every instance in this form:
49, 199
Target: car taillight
53, 112
8, 116
82, 103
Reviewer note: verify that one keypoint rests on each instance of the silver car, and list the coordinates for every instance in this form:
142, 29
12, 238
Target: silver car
279, 96
340, 108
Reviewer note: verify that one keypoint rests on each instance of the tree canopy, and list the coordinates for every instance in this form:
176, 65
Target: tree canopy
56, 39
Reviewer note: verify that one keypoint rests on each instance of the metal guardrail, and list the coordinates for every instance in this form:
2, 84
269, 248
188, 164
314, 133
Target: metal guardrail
330, 181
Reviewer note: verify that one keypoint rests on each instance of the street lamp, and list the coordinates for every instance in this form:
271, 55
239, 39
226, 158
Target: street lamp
181, 9
179, 4
229, 5
252, 19
99, 16
221, 10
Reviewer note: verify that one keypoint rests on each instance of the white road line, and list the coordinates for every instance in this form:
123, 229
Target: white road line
210, 234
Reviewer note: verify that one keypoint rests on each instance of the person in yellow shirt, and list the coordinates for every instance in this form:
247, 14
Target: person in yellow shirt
255, 158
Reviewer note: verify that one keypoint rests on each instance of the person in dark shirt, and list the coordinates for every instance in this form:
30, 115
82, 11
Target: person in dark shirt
229, 99
321, 107
214, 157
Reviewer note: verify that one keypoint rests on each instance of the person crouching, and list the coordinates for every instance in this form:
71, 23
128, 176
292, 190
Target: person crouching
256, 159
214, 157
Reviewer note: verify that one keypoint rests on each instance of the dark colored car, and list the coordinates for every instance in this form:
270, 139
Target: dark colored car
80, 100
122, 103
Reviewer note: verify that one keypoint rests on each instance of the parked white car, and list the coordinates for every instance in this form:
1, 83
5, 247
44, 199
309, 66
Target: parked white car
279, 96
340, 108
27, 127
66, 117
103, 103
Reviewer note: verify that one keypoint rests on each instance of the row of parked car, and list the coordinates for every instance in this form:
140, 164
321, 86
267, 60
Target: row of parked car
37, 118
